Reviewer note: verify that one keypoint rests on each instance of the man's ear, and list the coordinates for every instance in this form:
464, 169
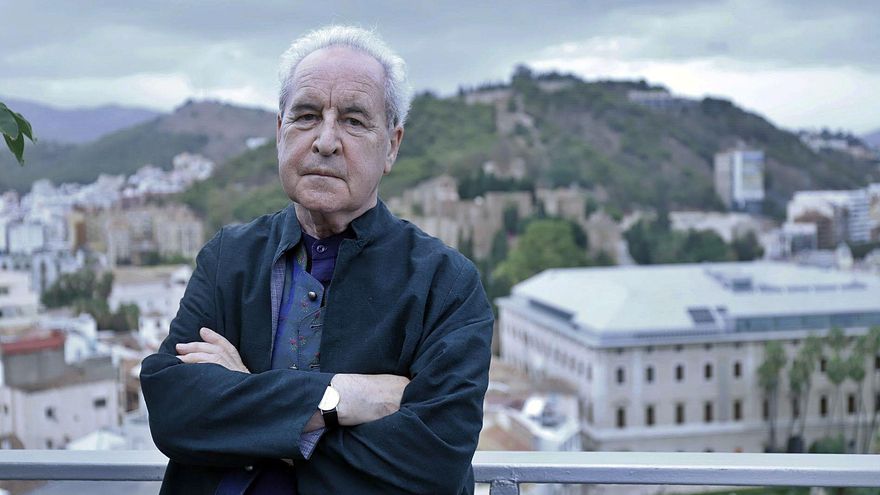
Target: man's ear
396, 137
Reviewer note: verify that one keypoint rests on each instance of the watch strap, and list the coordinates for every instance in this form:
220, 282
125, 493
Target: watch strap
331, 419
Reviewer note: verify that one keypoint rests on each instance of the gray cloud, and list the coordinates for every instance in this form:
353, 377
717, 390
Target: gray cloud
220, 46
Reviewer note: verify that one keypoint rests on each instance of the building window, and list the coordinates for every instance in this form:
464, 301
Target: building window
823, 406
48, 443
621, 417
877, 362
707, 371
737, 369
823, 365
765, 409
679, 413
737, 410
100, 402
620, 375
590, 413
679, 373
851, 404
877, 404
649, 374
708, 347
649, 416
50, 412
589, 372
707, 412
678, 348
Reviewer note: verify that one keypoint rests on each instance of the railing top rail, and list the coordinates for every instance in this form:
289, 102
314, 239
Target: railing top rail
679, 468
514, 467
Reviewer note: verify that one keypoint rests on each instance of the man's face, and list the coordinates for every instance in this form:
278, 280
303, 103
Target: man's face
334, 144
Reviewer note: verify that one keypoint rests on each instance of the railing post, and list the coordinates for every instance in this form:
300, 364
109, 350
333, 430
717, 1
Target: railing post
504, 487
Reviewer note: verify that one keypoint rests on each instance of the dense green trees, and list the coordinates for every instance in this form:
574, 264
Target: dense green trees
652, 241
86, 292
546, 243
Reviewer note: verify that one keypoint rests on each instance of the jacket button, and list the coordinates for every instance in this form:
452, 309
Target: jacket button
248, 468
313, 295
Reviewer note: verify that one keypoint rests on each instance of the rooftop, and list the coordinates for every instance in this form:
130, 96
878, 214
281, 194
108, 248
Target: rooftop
659, 299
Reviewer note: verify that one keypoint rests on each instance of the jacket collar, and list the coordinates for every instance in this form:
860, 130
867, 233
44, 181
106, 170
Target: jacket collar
366, 227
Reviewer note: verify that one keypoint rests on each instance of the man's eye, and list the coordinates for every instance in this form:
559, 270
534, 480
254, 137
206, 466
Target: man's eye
308, 117
353, 121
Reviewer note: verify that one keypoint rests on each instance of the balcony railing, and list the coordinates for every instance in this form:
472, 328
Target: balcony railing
505, 471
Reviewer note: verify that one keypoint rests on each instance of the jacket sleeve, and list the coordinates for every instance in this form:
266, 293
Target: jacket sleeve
428, 445
208, 415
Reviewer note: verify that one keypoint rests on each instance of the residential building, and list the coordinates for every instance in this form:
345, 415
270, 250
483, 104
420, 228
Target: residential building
46, 403
739, 179
840, 216
18, 302
665, 357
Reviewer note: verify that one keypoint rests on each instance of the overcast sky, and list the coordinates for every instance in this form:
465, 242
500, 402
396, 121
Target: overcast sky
800, 63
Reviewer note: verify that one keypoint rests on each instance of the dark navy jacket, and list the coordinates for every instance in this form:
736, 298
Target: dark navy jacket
400, 302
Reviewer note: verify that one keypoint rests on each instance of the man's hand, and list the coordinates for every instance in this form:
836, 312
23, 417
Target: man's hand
215, 349
365, 398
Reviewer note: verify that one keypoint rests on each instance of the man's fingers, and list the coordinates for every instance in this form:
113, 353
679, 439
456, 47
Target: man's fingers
199, 357
215, 338
188, 347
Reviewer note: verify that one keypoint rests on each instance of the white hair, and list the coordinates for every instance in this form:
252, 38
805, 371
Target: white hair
398, 94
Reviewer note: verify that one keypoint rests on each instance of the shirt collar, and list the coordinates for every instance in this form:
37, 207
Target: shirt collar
365, 227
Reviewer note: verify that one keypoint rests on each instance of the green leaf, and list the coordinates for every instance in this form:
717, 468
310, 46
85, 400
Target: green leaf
8, 124
16, 145
24, 126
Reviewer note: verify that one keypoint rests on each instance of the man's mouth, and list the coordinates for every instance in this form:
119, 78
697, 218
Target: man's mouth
322, 173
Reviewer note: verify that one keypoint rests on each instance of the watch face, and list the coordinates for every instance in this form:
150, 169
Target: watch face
330, 399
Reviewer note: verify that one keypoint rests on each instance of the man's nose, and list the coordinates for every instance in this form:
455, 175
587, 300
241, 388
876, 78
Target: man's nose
327, 142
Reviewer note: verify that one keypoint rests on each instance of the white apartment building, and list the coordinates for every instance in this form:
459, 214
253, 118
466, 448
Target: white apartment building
665, 357
846, 215
739, 179
44, 403
18, 303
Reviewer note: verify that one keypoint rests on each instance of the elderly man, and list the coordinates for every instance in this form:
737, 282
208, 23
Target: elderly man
329, 347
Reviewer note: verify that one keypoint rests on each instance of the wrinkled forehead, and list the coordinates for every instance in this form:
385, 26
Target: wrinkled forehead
339, 69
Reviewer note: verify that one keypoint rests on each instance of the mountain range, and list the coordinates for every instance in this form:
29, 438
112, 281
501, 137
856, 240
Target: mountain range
216, 130
77, 125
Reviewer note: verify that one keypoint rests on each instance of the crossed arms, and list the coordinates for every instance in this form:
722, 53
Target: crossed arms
362, 398
207, 409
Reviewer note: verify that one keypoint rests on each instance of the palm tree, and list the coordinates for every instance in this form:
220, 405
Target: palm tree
810, 353
837, 369
856, 373
768, 378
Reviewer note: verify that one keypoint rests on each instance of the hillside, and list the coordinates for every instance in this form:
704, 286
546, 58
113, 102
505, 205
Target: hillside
563, 130
78, 125
213, 129
872, 138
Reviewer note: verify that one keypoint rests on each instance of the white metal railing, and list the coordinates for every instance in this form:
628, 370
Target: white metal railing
505, 471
